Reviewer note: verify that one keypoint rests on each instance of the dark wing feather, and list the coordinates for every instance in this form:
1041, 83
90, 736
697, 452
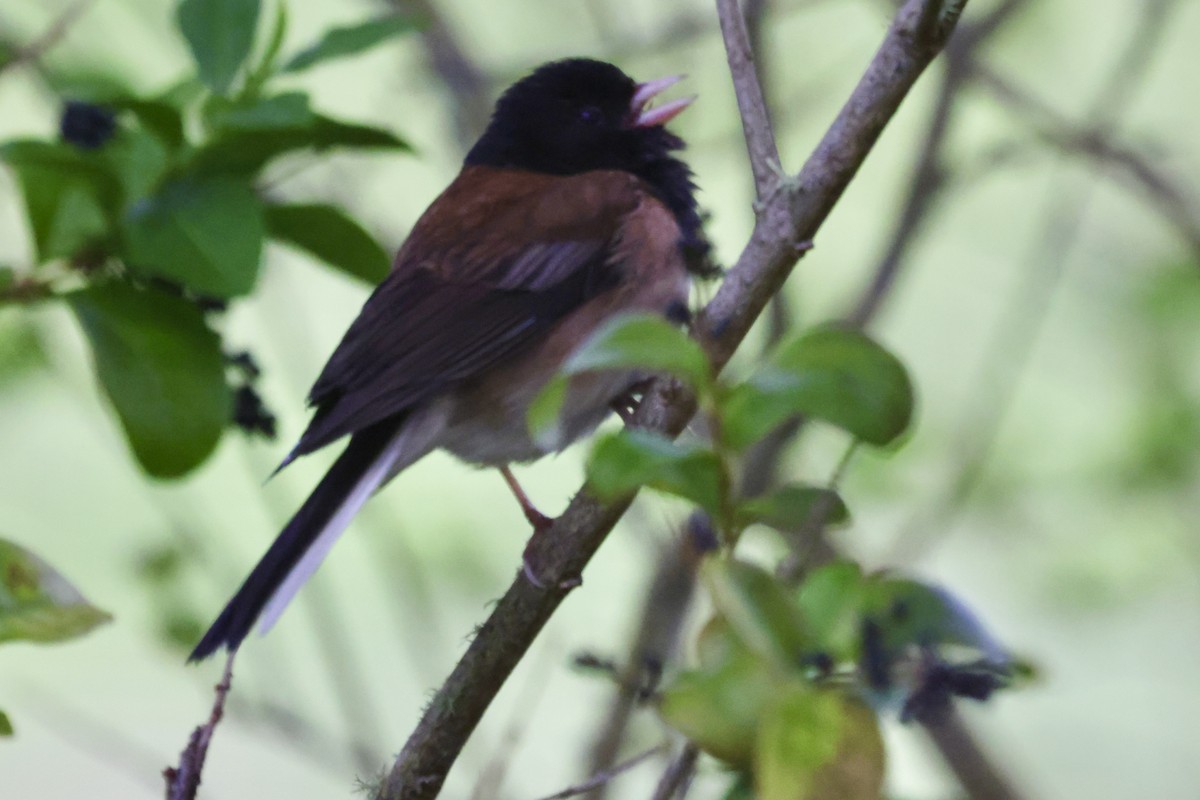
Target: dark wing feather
434, 335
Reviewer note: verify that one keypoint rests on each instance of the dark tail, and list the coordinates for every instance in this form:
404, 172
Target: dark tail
359, 470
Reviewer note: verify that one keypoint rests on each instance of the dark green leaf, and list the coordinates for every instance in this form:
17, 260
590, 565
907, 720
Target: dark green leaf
160, 117
794, 507
245, 152
220, 34
817, 745
138, 158
67, 194
758, 609
206, 234
281, 112
330, 235
623, 461
6, 726
348, 41
257, 75
37, 603
161, 367
839, 376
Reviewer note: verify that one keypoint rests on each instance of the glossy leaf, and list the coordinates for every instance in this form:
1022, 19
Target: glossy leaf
793, 507
349, 41
162, 369
628, 459
817, 745
66, 193
206, 234
839, 376
220, 34
332, 236
38, 604
758, 609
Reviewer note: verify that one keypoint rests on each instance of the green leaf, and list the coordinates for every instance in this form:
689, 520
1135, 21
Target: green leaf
66, 194
244, 152
162, 369
839, 376
817, 745
628, 459
642, 340
327, 233
349, 41
138, 158
37, 604
206, 234
6, 726
831, 599
629, 340
220, 34
758, 609
160, 117
719, 709
793, 507
281, 112
257, 75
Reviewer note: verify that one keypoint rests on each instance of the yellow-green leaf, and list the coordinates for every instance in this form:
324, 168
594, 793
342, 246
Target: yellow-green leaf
37, 603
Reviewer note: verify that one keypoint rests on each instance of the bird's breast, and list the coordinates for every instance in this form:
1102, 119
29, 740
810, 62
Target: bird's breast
489, 426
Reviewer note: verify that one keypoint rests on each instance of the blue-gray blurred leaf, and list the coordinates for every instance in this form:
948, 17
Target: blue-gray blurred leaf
330, 235
162, 369
220, 34
206, 234
349, 41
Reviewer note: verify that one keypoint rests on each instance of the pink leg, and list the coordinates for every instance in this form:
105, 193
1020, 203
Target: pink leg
537, 519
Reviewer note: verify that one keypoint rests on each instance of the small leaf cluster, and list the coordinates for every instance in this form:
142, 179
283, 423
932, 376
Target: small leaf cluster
791, 673
838, 376
147, 218
37, 604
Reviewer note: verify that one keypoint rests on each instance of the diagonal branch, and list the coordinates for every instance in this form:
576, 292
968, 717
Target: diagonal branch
787, 219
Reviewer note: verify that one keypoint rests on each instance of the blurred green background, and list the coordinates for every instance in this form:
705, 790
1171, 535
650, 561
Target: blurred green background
1052, 297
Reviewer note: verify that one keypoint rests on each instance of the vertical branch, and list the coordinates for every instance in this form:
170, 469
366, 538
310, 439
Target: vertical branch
756, 123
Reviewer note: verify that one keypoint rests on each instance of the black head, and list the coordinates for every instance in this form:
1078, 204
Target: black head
566, 117
579, 115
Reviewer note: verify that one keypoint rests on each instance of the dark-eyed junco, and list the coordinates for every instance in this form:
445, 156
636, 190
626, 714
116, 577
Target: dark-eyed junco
569, 209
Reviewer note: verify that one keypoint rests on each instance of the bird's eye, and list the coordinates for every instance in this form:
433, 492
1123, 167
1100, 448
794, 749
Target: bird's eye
591, 115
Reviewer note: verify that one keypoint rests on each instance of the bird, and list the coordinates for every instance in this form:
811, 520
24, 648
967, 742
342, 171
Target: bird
570, 209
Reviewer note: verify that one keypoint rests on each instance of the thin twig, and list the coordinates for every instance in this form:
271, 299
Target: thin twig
786, 221
662, 615
33, 52
674, 783
604, 777
183, 781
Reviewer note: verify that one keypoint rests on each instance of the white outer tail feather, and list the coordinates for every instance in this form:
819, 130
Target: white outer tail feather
415, 438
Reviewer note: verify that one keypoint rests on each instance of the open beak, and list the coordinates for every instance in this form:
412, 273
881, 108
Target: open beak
644, 117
